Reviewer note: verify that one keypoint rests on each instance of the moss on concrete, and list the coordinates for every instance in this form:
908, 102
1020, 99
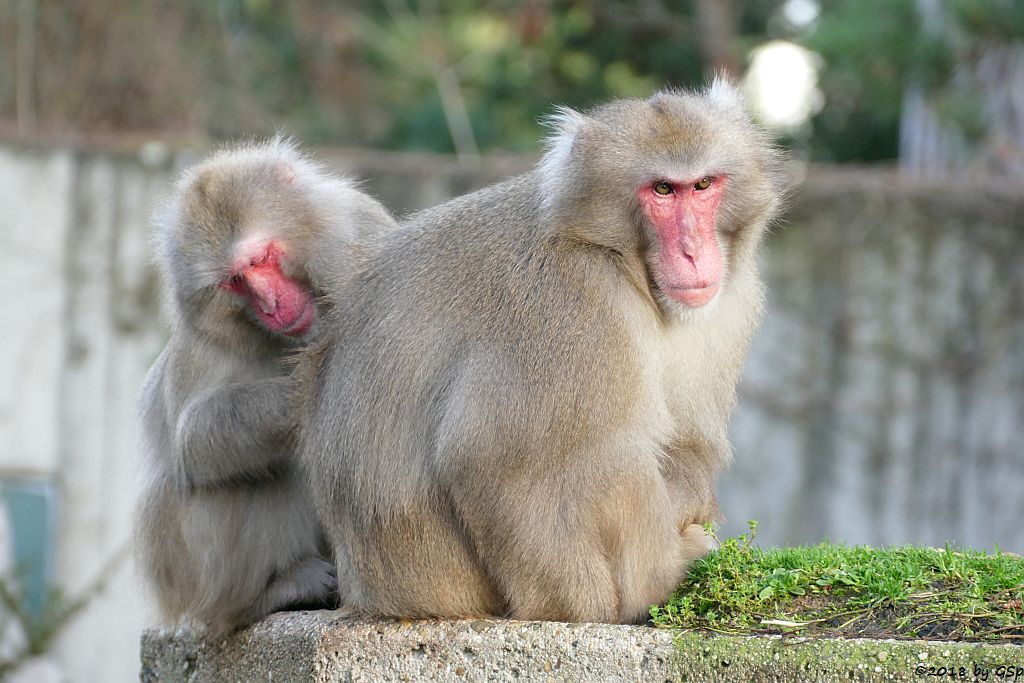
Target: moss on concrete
903, 592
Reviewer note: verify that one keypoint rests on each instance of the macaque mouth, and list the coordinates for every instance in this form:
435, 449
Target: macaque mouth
303, 322
283, 314
693, 297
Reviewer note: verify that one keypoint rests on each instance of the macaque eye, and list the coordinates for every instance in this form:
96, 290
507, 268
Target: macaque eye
663, 188
703, 184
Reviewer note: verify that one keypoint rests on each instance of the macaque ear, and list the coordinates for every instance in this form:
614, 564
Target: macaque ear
284, 173
565, 125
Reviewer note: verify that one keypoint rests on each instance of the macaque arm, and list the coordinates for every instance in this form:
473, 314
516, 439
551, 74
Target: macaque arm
234, 432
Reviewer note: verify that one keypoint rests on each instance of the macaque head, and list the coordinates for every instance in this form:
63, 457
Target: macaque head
684, 181
236, 243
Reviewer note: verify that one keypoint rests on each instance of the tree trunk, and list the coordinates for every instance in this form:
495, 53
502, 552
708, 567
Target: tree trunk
25, 68
717, 22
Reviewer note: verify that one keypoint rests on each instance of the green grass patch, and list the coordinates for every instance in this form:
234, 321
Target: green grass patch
835, 590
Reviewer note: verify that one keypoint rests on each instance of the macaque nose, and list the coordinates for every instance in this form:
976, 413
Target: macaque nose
692, 244
262, 289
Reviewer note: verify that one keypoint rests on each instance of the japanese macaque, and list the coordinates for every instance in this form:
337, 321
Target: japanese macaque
519, 406
226, 532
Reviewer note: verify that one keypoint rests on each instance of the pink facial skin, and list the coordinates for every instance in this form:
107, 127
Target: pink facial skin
690, 269
281, 303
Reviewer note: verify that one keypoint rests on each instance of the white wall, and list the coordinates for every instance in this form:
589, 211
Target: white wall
81, 329
34, 222
884, 398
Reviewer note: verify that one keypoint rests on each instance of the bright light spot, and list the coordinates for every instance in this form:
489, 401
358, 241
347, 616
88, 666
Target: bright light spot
801, 13
782, 83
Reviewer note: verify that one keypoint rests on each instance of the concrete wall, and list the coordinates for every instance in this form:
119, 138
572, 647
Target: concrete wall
884, 398
81, 328
883, 401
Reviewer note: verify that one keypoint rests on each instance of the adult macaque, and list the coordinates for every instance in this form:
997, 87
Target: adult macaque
519, 406
225, 529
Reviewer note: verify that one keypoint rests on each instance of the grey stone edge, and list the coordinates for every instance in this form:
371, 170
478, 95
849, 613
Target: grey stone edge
323, 646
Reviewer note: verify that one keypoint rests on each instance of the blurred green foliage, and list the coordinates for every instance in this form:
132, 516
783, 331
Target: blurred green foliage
868, 47
463, 75
872, 50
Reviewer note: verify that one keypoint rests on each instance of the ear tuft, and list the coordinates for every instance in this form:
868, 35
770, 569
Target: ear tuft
724, 93
564, 124
564, 120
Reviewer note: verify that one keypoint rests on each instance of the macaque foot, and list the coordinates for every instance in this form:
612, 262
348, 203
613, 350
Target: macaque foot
697, 542
311, 584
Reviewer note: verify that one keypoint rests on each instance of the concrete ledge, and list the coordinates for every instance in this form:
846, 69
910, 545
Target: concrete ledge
321, 647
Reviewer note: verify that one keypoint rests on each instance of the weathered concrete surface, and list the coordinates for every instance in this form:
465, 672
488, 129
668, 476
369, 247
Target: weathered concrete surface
323, 647
883, 401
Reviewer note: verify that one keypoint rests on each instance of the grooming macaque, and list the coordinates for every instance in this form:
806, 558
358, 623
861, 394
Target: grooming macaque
225, 529
519, 405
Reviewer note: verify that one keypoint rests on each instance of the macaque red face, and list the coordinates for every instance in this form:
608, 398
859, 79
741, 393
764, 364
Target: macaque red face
683, 215
282, 303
